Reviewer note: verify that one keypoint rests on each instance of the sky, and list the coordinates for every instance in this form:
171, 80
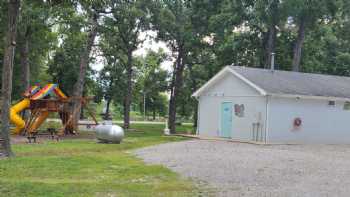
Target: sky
149, 44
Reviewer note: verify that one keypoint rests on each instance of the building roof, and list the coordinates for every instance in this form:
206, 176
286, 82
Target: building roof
278, 82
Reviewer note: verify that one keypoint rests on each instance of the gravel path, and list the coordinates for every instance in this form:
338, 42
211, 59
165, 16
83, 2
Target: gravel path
238, 169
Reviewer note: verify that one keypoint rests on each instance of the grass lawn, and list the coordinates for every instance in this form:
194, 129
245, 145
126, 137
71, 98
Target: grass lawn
82, 167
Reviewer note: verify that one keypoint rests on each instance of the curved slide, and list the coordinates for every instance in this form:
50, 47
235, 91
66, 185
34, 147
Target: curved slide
15, 118
34, 93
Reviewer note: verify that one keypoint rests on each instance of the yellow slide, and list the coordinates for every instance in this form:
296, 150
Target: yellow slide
34, 93
15, 118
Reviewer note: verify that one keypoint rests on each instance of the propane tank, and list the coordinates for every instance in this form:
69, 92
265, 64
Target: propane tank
109, 133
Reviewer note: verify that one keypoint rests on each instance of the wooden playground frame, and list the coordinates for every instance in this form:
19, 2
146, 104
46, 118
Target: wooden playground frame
66, 110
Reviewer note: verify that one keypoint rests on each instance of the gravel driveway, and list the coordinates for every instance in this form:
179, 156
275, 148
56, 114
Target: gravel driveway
238, 169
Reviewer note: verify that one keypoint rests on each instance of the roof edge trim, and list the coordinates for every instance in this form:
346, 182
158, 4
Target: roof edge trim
310, 97
247, 81
220, 74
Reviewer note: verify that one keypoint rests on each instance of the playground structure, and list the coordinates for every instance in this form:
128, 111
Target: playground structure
41, 102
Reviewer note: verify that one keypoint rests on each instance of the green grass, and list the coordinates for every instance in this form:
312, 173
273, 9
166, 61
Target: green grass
82, 167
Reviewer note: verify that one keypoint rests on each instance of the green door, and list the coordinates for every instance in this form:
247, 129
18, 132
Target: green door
226, 119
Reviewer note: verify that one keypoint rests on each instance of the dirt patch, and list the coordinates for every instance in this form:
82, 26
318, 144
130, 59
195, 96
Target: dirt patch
46, 137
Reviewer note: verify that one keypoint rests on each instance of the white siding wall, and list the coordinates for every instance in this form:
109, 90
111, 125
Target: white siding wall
231, 89
321, 123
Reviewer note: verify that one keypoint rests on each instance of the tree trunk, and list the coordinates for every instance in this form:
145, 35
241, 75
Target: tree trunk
194, 88
195, 115
109, 96
7, 71
107, 114
299, 44
154, 113
24, 56
270, 48
271, 38
127, 100
84, 61
175, 88
107, 106
82, 115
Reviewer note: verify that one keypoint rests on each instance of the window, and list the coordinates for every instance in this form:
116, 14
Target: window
347, 105
331, 103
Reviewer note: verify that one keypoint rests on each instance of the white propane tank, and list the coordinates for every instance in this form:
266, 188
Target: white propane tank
109, 133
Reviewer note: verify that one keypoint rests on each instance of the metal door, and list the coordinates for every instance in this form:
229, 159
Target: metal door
226, 119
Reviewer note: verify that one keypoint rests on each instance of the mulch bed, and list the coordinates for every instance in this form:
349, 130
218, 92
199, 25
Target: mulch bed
47, 137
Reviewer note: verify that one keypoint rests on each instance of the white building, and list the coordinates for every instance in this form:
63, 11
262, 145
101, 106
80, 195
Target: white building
275, 106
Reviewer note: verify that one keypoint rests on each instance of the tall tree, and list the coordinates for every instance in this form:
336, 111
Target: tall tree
306, 15
63, 66
6, 90
273, 22
174, 26
93, 10
84, 61
35, 37
128, 20
151, 82
111, 82
299, 42
24, 53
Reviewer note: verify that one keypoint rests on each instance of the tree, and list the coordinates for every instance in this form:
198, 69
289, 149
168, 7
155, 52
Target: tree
35, 39
327, 50
151, 82
306, 15
174, 26
128, 20
63, 66
6, 90
111, 82
93, 10
235, 34
269, 13
84, 61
